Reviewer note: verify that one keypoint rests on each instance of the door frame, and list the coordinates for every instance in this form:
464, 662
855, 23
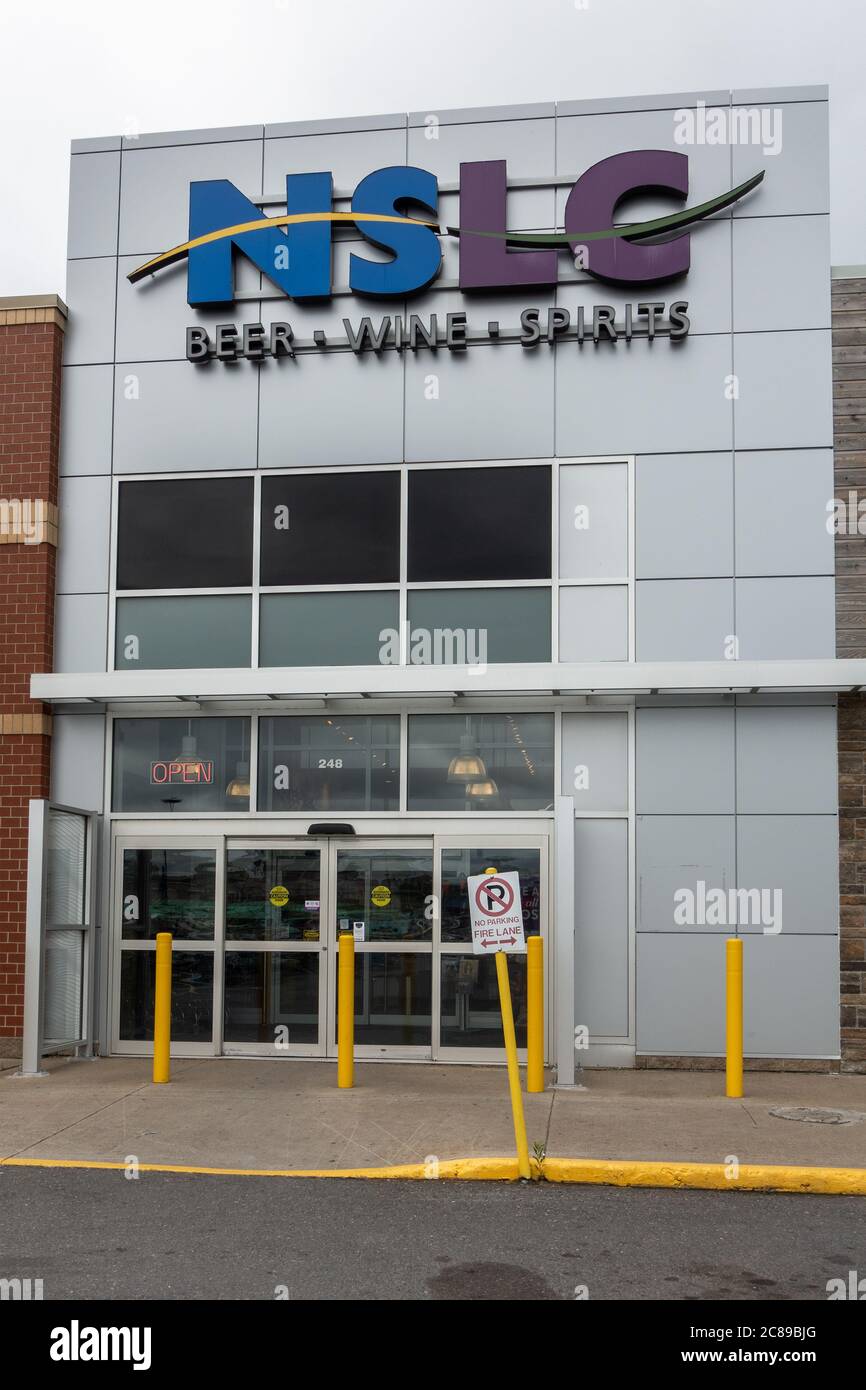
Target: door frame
434, 835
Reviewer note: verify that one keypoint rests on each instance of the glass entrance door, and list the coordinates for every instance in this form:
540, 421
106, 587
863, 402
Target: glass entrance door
275, 973
383, 894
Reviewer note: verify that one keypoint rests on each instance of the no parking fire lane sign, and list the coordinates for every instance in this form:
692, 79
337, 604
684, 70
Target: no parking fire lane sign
496, 913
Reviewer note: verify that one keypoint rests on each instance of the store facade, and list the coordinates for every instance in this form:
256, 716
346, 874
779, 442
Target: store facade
434, 526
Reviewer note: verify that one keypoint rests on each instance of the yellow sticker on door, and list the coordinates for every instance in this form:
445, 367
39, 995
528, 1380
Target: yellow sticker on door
278, 895
381, 895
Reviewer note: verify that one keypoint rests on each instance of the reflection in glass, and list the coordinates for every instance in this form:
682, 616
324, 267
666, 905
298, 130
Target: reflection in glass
387, 891
272, 895
446, 752
191, 996
177, 765
168, 890
459, 864
393, 999
470, 1001
329, 763
272, 997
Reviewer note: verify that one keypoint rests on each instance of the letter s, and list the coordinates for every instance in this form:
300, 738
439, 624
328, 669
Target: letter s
417, 253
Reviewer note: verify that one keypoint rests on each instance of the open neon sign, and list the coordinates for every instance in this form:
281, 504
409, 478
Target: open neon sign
186, 772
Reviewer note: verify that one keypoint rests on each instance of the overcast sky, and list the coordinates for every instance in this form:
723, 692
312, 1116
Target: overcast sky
100, 67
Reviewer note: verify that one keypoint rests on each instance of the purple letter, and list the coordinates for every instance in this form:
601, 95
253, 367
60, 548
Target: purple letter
592, 203
486, 262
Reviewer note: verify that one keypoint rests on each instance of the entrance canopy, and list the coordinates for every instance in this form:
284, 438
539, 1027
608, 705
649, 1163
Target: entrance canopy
450, 682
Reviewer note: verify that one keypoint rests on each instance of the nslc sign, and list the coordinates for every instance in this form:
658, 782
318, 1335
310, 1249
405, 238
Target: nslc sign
293, 249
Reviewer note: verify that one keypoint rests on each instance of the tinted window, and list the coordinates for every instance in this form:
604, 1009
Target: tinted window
187, 533
182, 632
329, 763
327, 629
334, 528
479, 523
480, 762
456, 627
181, 765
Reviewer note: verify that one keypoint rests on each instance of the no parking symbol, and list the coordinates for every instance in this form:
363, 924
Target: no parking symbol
496, 913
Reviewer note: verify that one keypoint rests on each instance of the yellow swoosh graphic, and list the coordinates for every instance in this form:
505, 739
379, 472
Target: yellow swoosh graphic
284, 220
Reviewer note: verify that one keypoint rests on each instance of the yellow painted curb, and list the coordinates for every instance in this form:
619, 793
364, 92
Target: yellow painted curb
751, 1177
598, 1171
473, 1169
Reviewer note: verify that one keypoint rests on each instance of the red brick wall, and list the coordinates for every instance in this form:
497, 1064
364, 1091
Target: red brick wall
31, 345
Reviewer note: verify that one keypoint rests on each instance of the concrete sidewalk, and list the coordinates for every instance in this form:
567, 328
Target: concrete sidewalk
289, 1114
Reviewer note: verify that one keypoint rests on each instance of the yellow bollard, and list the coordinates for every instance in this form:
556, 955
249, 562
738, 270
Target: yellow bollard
346, 1012
513, 1068
734, 1017
534, 1014
162, 1010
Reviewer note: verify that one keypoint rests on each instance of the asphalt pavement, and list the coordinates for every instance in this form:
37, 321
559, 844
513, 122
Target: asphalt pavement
99, 1235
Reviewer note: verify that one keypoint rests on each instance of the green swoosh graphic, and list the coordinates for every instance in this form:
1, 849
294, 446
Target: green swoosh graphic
634, 231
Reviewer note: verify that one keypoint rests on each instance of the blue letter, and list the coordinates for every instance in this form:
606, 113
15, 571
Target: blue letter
297, 259
417, 254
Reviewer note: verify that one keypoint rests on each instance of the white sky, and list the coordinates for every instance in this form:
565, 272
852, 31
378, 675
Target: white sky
99, 67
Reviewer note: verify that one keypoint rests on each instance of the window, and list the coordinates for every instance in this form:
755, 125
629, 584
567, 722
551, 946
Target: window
181, 633
476, 626
185, 533
168, 890
336, 528
181, 765
480, 762
320, 763
479, 523
326, 629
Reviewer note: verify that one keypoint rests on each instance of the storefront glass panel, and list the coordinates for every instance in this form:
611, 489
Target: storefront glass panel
480, 762
271, 997
319, 763
181, 765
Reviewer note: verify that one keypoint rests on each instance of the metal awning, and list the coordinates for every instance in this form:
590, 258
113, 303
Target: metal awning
538, 680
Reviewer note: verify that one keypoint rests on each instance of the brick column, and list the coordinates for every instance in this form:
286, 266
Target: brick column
31, 348
852, 879
849, 443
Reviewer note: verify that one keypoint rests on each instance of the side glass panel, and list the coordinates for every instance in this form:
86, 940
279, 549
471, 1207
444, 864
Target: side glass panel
480, 762
191, 996
385, 894
393, 999
272, 895
168, 890
181, 765
459, 864
271, 996
318, 763
470, 1001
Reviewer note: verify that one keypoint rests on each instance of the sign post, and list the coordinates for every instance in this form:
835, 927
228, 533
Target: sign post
497, 929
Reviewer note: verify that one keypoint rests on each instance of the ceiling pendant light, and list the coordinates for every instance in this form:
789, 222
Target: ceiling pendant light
483, 790
468, 765
188, 758
240, 783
